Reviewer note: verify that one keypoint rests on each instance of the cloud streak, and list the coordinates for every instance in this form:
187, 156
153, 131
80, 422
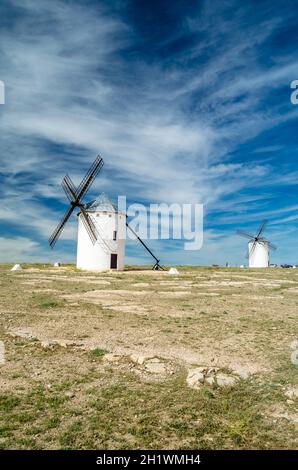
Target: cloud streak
170, 123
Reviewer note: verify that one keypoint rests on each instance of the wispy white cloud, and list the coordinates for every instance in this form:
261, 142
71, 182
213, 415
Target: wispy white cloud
17, 249
166, 131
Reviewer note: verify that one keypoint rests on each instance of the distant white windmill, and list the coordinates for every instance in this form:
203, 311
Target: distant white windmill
258, 247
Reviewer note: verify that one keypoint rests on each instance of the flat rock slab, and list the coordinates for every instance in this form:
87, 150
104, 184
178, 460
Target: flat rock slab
138, 359
199, 376
224, 380
195, 378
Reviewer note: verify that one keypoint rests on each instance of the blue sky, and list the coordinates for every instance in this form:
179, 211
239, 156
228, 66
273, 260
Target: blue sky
187, 101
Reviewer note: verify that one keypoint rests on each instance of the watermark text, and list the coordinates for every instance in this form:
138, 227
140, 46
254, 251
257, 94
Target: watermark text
165, 221
2, 92
294, 94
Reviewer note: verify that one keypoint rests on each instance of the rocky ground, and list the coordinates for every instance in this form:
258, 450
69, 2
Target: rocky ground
146, 359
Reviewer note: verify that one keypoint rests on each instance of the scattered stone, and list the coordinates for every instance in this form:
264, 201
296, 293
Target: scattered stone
243, 372
212, 370
69, 394
292, 392
224, 380
195, 377
137, 359
47, 344
65, 343
16, 267
173, 271
209, 375
210, 380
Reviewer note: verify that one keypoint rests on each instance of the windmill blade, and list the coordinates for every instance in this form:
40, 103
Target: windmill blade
89, 225
56, 233
245, 234
252, 249
91, 228
70, 189
89, 177
71, 197
74, 195
261, 228
71, 185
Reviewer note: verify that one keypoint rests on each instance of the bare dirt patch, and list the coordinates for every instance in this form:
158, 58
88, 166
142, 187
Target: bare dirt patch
176, 293
74, 352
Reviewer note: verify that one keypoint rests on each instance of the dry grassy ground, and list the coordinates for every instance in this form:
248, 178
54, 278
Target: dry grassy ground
101, 360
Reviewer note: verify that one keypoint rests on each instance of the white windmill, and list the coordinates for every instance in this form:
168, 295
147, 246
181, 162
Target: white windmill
108, 252
258, 247
101, 226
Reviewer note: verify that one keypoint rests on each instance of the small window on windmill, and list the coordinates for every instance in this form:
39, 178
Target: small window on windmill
115, 235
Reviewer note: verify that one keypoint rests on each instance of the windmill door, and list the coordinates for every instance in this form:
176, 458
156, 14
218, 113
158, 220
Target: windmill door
113, 261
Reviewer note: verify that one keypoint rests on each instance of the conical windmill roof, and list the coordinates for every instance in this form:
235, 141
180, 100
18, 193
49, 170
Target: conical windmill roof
102, 204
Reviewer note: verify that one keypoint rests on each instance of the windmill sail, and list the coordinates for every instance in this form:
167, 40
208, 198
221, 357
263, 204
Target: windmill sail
74, 196
91, 226
258, 246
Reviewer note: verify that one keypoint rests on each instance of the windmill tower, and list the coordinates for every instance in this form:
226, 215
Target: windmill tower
108, 252
101, 227
258, 247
